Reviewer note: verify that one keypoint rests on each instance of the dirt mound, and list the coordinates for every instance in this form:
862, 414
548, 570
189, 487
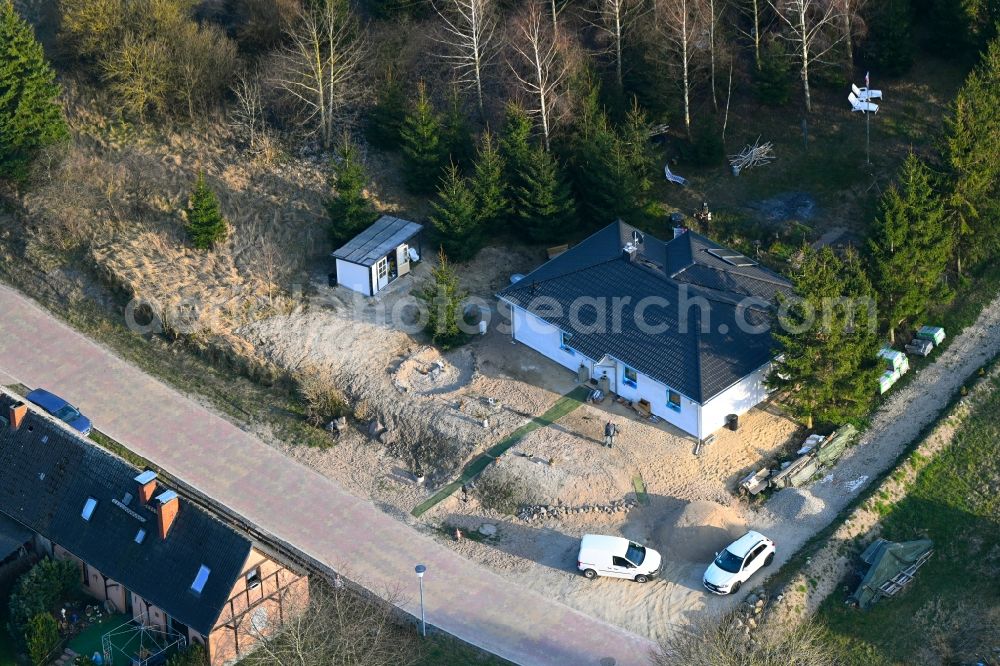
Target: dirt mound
699, 530
428, 372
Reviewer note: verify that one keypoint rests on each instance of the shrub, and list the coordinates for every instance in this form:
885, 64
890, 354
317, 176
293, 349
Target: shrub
42, 638
705, 147
324, 402
193, 656
38, 590
503, 492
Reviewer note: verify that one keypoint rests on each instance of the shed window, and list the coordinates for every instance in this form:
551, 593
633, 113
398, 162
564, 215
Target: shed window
199, 581
253, 578
564, 339
88, 508
674, 400
631, 377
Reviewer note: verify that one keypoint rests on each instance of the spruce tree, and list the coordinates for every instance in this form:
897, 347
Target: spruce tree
349, 209
455, 131
543, 203
456, 217
515, 146
973, 155
443, 298
910, 246
773, 81
489, 186
205, 224
827, 340
424, 151
888, 46
30, 116
385, 121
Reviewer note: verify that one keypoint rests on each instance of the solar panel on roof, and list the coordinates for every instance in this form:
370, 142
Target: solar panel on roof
732, 258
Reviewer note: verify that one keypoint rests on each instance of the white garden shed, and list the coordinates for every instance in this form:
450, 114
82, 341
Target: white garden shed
383, 252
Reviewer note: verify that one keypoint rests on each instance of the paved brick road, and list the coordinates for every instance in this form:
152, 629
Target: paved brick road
295, 503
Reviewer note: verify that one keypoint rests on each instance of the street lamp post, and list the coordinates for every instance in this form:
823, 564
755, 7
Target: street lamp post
421, 570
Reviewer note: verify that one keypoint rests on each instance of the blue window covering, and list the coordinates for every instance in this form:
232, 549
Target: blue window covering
564, 339
631, 377
674, 400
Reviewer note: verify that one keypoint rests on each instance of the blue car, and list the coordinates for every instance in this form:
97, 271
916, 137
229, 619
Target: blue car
61, 409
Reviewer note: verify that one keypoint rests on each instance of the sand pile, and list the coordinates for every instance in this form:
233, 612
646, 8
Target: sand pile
699, 530
795, 504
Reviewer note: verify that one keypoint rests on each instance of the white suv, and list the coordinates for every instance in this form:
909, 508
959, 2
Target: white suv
733, 566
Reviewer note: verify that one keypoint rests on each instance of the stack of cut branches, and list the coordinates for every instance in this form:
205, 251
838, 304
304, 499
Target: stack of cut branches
756, 155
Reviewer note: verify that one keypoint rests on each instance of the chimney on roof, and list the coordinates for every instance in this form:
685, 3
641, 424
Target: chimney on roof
147, 485
17, 412
679, 230
630, 251
167, 506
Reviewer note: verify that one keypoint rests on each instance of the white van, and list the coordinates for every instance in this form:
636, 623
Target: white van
617, 557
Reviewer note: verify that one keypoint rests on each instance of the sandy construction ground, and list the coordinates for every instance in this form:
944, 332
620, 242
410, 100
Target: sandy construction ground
474, 396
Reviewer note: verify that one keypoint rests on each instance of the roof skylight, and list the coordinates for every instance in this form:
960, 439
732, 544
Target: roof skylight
199, 581
88, 508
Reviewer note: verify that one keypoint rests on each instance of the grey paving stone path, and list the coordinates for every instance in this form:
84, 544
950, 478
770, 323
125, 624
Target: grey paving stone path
296, 504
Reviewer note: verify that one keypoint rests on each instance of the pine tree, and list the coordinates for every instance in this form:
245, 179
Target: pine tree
910, 246
30, 116
515, 146
827, 340
205, 224
489, 186
349, 209
443, 298
424, 151
973, 155
385, 121
455, 131
42, 638
456, 217
543, 203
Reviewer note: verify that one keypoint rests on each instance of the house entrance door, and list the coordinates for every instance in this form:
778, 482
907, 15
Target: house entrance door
606, 371
382, 273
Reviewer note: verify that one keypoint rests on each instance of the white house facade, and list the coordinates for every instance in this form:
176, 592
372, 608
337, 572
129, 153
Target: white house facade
690, 378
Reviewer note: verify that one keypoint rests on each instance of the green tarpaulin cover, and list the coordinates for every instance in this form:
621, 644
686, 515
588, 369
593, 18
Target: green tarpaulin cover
886, 560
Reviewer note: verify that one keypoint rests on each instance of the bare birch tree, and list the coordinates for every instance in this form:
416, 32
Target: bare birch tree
811, 29
678, 23
754, 11
852, 25
541, 69
321, 66
247, 115
713, 10
615, 20
469, 31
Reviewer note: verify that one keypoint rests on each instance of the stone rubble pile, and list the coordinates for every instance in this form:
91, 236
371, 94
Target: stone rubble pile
541, 512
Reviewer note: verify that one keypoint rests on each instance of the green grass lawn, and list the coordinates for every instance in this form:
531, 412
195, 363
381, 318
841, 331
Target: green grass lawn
951, 611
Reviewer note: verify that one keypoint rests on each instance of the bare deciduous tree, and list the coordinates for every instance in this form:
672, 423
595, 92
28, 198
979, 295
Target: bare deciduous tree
811, 29
713, 10
615, 20
321, 66
754, 11
339, 627
139, 73
247, 114
204, 59
470, 27
542, 67
724, 642
678, 23
853, 25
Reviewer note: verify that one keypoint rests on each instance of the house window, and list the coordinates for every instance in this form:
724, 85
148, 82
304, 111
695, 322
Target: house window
674, 400
253, 578
564, 339
631, 377
86, 574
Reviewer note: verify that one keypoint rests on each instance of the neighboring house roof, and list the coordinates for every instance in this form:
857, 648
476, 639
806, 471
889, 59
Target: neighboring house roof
13, 535
695, 362
378, 240
47, 475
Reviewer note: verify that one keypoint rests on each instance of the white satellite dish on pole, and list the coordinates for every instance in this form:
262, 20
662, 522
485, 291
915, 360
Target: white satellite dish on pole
860, 99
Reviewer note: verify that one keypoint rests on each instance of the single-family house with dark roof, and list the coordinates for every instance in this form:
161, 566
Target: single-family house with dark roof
378, 255
681, 325
141, 547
